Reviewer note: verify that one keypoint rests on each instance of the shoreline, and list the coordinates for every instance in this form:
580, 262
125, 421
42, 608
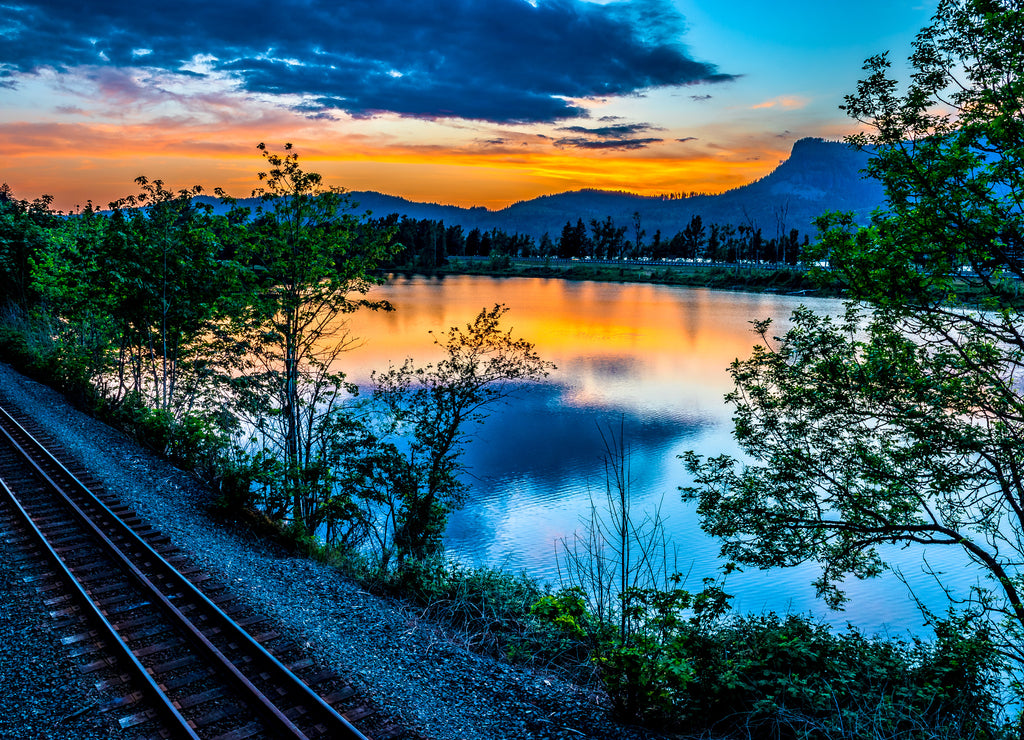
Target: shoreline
751, 278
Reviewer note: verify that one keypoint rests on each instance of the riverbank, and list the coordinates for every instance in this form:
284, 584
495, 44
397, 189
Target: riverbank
746, 277
758, 278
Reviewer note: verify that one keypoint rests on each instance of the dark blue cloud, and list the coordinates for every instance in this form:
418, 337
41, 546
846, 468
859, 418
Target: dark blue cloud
497, 60
618, 144
618, 130
617, 136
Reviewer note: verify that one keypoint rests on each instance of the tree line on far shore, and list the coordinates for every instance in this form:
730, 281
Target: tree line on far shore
427, 244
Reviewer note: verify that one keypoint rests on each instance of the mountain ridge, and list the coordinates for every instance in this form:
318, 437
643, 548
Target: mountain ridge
818, 176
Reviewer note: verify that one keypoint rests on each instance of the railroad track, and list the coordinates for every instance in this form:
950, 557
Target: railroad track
171, 647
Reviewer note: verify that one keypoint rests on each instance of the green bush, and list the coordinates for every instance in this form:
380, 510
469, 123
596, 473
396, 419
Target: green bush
647, 679
194, 440
791, 678
565, 610
29, 347
476, 600
297, 538
681, 662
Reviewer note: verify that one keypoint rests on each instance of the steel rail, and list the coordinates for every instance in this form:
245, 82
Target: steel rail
164, 705
341, 728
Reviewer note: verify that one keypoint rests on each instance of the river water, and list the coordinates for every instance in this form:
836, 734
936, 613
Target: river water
649, 360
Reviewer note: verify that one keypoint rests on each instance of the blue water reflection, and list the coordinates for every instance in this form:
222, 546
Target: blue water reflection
540, 435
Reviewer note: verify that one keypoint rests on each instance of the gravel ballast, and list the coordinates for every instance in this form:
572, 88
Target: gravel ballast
42, 694
424, 678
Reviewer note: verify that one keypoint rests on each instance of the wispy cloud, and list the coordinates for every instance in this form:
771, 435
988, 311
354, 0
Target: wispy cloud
787, 102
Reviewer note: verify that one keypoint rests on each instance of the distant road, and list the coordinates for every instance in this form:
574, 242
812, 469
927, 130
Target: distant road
681, 265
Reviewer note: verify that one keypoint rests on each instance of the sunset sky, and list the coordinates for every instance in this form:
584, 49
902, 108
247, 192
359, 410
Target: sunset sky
470, 102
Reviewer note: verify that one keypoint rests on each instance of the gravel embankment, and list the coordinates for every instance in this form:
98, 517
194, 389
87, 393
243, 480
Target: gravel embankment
409, 667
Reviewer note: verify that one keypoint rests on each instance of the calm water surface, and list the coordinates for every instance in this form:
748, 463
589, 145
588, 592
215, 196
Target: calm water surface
651, 359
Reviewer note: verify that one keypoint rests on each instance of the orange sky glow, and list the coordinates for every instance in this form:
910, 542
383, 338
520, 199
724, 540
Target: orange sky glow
77, 162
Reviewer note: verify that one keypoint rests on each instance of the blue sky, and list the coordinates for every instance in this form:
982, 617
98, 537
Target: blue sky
474, 102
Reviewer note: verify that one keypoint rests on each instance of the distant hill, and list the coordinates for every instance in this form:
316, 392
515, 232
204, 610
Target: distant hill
818, 176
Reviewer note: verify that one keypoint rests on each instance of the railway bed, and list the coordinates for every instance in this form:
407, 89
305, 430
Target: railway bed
176, 653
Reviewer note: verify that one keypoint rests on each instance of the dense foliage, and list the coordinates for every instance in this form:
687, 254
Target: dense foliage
424, 244
692, 668
216, 336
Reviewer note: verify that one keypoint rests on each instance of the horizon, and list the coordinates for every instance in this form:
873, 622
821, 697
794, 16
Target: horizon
209, 196
458, 102
582, 189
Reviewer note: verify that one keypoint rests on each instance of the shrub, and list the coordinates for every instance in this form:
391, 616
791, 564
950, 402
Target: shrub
689, 666
647, 679
791, 678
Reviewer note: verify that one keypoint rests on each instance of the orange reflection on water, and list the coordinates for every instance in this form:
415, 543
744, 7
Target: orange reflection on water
614, 344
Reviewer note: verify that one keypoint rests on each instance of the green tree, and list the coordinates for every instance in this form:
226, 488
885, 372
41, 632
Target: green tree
67, 276
474, 247
168, 280
546, 248
902, 423
456, 240
413, 468
311, 263
639, 233
574, 241
35, 339
24, 232
693, 238
133, 298
607, 241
